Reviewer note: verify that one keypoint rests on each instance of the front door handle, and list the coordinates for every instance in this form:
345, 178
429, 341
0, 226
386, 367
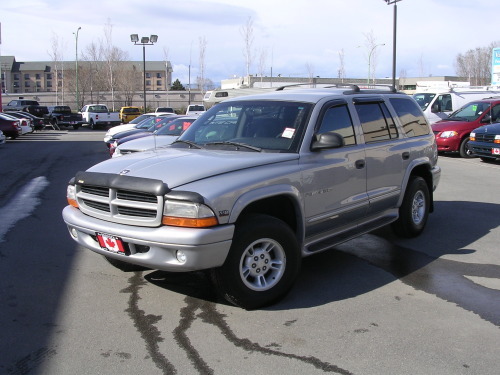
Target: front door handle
360, 164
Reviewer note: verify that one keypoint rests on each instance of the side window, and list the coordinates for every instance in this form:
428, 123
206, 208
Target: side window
411, 117
337, 119
376, 122
495, 113
444, 103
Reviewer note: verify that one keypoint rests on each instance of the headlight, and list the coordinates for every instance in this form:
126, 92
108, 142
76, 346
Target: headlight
188, 214
71, 195
448, 134
497, 138
472, 137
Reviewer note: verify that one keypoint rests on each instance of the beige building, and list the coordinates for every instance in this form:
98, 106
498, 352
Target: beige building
54, 82
48, 76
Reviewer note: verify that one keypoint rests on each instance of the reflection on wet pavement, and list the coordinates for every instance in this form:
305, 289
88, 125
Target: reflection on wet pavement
447, 279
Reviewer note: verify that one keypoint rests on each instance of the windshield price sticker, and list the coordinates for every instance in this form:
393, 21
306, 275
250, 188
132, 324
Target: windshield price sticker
111, 243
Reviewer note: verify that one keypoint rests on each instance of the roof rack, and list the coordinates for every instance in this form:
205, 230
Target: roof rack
352, 86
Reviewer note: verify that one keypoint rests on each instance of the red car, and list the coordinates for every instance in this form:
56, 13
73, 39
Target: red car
10, 128
452, 134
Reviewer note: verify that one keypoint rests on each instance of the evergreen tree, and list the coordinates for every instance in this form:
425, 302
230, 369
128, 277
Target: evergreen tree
177, 86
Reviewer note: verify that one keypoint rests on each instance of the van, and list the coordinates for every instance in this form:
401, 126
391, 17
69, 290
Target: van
453, 134
438, 105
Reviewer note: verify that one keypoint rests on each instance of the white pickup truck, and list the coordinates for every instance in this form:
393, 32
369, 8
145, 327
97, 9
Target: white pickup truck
98, 115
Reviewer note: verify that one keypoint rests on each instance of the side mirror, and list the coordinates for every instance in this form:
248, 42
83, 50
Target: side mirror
486, 118
435, 108
327, 141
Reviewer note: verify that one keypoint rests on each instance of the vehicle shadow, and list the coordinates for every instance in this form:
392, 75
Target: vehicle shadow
376, 259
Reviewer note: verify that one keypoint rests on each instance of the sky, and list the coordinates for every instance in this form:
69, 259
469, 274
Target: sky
293, 38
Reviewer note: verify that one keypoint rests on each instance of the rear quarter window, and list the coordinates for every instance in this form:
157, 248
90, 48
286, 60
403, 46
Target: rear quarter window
410, 116
376, 122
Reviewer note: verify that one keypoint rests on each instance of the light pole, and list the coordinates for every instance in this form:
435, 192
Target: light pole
145, 41
370, 59
76, 69
389, 2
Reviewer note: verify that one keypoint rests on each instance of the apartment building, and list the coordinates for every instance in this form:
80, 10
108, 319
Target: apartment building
51, 76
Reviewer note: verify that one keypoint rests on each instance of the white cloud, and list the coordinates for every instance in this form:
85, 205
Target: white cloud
297, 35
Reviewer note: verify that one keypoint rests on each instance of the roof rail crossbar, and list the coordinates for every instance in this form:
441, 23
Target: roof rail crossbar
354, 87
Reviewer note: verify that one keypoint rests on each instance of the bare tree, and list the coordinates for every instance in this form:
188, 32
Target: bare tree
247, 34
201, 76
421, 66
94, 70
113, 57
262, 63
167, 83
57, 58
341, 70
310, 72
371, 45
475, 64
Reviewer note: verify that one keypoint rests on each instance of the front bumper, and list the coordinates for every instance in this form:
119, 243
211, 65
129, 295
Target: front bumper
204, 248
485, 149
451, 144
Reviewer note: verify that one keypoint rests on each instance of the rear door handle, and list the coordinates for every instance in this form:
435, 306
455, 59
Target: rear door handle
406, 155
360, 164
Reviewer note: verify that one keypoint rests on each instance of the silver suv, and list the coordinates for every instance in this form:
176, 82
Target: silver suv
258, 182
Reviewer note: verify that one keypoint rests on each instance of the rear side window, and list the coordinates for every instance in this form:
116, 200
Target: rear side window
376, 122
337, 119
411, 117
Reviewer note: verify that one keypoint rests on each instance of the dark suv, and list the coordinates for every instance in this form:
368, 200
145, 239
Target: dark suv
485, 142
30, 106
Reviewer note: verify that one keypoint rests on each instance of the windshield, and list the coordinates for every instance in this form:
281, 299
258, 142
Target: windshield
424, 99
196, 108
98, 109
175, 127
130, 110
150, 122
470, 111
274, 126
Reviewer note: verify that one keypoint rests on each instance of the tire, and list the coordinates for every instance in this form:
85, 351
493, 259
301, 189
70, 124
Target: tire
92, 125
464, 150
124, 266
414, 210
262, 264
76, 127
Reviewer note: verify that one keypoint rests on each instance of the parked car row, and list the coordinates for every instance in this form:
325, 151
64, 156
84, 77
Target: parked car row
150, 125
464, 128
13, 127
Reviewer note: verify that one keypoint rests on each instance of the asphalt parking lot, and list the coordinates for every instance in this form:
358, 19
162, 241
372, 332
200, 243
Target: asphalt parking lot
374, 305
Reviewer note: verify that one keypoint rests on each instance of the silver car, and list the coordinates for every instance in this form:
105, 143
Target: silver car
259, 182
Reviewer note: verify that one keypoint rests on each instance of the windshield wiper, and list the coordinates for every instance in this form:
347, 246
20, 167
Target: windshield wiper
237, 144
457, 118
190, 143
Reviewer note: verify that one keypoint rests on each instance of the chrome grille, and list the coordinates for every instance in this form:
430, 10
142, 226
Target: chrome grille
120, 205
485, 137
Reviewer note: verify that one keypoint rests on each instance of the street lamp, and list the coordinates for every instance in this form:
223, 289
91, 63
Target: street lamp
370, 59
389, 2
145, 41
76, 68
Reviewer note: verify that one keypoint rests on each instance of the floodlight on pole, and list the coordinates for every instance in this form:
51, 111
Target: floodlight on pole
145, 41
